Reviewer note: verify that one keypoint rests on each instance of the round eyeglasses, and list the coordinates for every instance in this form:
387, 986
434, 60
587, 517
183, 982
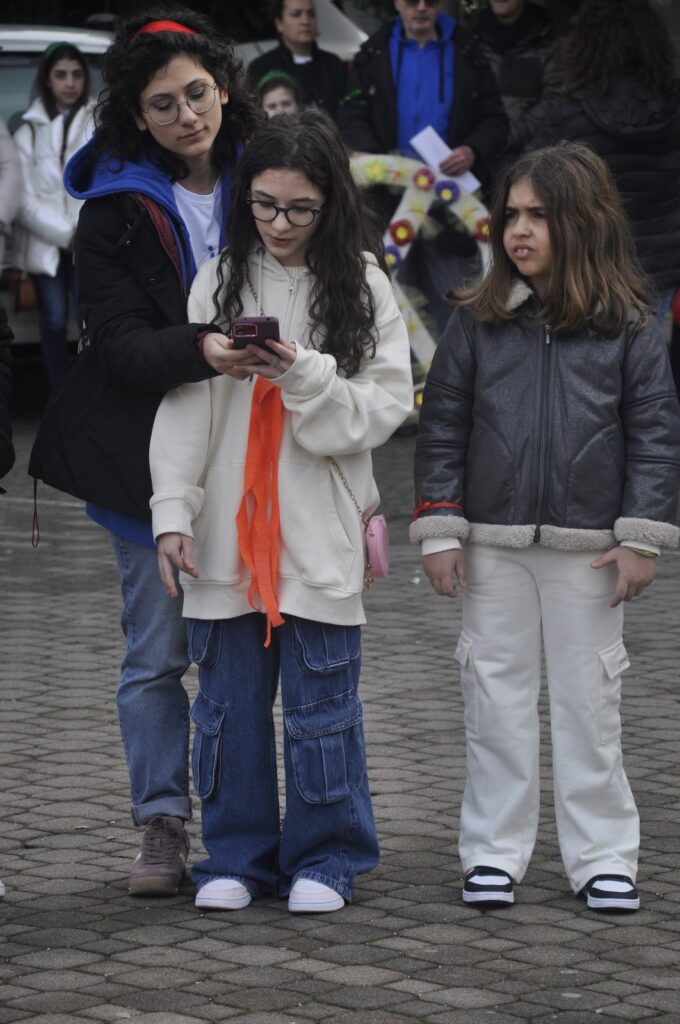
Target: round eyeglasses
298, 216
164, 110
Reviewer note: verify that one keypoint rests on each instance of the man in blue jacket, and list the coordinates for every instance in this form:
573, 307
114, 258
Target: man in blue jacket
423, 69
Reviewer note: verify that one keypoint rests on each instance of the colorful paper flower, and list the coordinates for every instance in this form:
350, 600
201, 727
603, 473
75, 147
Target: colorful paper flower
393, 257
376, 171
482, 229
423, 178
402, 231
446, 190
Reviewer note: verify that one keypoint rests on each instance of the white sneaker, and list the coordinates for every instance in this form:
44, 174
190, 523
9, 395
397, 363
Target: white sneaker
309, 897
223, 894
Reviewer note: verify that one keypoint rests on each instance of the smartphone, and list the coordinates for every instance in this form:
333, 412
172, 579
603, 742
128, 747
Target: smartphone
254, 330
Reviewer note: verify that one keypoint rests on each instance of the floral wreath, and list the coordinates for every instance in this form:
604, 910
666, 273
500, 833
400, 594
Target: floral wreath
423, 188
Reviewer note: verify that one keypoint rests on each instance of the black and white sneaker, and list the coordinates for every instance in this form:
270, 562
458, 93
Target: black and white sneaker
489, 886
611, 892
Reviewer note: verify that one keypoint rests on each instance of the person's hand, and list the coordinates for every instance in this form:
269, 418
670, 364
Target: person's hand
175, 549
270, 361
635, 573
219, 353
458, 161
446, 571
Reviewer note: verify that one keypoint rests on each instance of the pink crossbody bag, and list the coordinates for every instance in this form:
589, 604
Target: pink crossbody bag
376, 536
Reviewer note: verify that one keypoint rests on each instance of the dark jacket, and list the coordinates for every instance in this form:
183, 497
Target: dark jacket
134, 269
322, 80
637, 133
368, 114
525, 58
6, 447
571, 440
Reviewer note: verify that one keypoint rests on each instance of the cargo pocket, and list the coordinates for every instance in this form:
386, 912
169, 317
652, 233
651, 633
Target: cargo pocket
468, 682
327, 748
203, 641
322, 649
613, 661
205, 759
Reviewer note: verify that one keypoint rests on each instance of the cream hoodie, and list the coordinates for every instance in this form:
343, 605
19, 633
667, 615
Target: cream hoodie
199, 442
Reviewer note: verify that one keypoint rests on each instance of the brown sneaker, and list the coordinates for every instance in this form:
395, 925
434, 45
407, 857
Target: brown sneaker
159, 866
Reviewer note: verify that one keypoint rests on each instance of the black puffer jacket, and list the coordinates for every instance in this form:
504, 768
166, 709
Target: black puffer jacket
637, 133
6, 447
367, 117
526, 60
570, 441
93, 441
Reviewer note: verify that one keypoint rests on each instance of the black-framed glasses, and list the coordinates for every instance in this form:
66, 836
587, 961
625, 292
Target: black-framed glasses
298, 216
165, 110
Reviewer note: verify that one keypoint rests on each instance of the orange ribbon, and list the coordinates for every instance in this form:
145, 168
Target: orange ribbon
257, 521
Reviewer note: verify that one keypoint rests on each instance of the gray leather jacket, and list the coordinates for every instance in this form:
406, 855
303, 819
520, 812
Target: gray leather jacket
569, 441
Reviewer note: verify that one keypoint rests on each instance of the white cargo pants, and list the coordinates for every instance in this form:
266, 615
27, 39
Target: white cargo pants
514, 597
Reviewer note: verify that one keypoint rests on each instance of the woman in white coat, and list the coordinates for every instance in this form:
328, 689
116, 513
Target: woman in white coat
56, 124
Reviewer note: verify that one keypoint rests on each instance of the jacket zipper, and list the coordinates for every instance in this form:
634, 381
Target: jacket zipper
546, 367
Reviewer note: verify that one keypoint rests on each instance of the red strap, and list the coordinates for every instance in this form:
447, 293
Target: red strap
257, 521
425, 506
164, 26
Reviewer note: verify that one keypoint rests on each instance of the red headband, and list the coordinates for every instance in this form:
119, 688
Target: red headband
164, 26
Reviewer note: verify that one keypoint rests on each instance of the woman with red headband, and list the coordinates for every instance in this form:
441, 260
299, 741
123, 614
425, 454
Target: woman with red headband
155, 178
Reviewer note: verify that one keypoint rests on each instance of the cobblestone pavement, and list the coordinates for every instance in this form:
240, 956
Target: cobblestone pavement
75, 947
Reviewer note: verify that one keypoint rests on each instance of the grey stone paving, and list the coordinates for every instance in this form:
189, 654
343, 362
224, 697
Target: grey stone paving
75, 947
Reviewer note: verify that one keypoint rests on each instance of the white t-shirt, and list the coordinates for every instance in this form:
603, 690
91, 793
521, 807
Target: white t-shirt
201, 214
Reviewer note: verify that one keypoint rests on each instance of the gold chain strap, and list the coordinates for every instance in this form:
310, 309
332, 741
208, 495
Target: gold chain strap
369, 578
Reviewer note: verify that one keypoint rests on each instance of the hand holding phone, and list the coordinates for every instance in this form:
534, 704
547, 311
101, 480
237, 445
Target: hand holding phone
254, 330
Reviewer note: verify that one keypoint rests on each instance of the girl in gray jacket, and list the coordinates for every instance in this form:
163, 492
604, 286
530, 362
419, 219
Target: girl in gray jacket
547, 477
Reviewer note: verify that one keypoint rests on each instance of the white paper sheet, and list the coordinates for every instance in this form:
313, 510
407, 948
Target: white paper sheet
431, 147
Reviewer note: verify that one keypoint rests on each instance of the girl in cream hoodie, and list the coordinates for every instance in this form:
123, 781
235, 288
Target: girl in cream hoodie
268, 540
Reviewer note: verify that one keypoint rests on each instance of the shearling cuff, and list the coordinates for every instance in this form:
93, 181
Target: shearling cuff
438, 526
566, 539
498, 536
651, 531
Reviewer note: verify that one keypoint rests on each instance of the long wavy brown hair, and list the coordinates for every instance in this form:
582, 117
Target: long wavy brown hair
607, 37
595, 280
131, 62
341, 309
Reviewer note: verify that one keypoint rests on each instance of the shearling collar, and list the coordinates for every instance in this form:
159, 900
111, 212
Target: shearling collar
519, 293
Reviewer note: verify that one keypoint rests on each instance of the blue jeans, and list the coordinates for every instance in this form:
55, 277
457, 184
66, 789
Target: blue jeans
153, 707
53, 299
328, 833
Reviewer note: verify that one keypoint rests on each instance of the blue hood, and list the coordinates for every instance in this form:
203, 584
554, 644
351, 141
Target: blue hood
87, 178
445, 28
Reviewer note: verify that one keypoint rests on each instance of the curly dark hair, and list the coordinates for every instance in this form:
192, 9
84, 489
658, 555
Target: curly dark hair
131, 62
594, 279
610, 36
52, 55
341, 305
